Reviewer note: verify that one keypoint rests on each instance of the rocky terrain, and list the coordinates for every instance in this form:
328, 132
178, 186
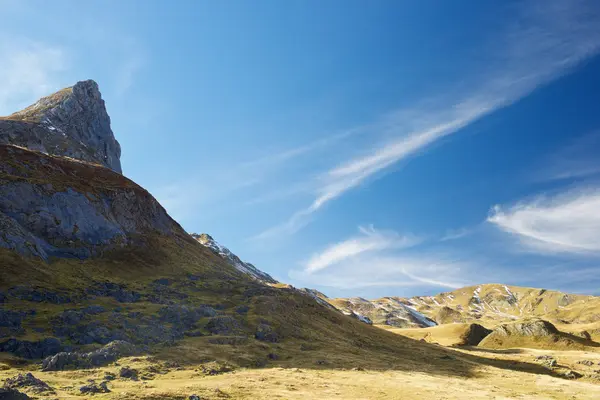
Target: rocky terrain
222, 251
103, 294
385, 311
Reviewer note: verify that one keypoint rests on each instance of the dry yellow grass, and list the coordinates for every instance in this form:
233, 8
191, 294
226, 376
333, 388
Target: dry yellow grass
446, 335
320, 383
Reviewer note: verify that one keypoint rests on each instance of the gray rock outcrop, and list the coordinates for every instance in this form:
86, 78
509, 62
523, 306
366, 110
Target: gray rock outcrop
104, 356
72, 122
51, 206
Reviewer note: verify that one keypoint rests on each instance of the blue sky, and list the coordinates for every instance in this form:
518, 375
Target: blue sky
372, 149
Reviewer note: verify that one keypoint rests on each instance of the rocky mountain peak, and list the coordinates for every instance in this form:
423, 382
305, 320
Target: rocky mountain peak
203, 238
207, 241
72, 122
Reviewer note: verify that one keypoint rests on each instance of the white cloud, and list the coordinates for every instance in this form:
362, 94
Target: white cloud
381, 258
376, 269
28, 71
370, 240
546, 41
568, 222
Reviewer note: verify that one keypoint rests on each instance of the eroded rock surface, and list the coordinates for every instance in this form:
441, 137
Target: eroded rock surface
72, 122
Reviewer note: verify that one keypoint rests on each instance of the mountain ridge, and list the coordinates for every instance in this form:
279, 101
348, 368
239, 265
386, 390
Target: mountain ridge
492, 304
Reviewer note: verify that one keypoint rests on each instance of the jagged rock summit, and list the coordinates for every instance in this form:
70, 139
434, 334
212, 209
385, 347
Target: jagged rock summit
72, 122
223, 252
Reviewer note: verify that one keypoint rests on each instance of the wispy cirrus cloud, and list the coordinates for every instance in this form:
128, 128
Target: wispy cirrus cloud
545, 42
369, 240
378, 258
567, 222
385, 269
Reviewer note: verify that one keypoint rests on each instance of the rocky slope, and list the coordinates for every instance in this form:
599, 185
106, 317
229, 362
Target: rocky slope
385, 311
72, 122
53, 206
222, 251
489, 304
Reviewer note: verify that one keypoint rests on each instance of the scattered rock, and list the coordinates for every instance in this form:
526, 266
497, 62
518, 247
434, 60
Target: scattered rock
547, 361
128, 373
104, 356
215, 368
27, 381
10, 322
38, 295
194, 397
116, 291
266, 333
358, 369
185, 317
570, 374
321, 362
223, 325
12, 394
109, 376
589, 363
92, 388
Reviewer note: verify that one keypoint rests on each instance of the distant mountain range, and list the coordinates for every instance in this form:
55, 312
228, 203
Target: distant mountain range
489, 304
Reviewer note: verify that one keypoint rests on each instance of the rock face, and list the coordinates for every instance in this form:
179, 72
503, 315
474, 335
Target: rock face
73, 360
385, 311
475, 335
526, 328
247, 268
72, 122
512, 333
53, 206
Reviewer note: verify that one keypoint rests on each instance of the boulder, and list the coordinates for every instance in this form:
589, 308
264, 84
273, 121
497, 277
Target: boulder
92, 388
12, 394
266, 333
223, 325
128, 373
27, 381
